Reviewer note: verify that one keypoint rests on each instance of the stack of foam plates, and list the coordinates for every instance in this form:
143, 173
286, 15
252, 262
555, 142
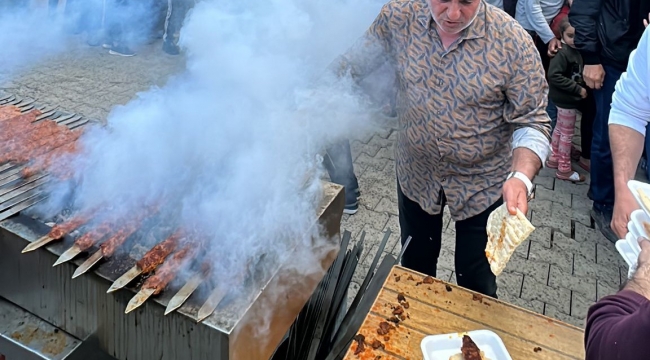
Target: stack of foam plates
639, 225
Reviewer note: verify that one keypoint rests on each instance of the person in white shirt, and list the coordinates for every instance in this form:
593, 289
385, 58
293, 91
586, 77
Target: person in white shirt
535, 16
628, 119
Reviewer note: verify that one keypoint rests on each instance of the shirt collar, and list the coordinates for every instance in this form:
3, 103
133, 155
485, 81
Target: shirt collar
475, 31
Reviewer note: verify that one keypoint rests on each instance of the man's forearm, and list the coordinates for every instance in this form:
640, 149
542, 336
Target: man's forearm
627, 146
526, 161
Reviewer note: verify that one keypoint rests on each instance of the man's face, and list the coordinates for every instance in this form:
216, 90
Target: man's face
454, 16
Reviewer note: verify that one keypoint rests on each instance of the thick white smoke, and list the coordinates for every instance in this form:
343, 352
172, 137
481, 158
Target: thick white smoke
231, 140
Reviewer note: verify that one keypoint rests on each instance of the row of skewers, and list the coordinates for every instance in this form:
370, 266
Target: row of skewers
28, 137
31, 139
165, 260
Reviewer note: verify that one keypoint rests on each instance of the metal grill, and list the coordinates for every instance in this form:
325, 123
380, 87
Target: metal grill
16, 192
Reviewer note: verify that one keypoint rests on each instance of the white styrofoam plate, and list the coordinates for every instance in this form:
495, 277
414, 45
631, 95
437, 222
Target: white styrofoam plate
631, 227
634, 187
442, 347
639, 218
624, 248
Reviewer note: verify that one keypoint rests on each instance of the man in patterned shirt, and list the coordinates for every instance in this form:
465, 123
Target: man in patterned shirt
471, 88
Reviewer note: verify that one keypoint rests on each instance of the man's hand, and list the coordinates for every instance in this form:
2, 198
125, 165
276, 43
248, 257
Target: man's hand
553, 47
515, 195
624, 205
640, 281
645, 21
583, 93
594, 75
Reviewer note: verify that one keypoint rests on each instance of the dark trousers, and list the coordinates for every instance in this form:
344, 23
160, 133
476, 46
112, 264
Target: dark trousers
601, 189
587, 108
339, 165
176, 11
471, 264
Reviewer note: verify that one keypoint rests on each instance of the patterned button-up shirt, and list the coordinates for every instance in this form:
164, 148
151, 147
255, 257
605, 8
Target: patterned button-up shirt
457, 107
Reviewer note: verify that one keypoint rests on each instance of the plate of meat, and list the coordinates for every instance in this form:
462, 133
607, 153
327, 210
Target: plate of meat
472, 345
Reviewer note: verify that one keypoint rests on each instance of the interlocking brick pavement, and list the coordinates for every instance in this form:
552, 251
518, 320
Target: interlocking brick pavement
563, 268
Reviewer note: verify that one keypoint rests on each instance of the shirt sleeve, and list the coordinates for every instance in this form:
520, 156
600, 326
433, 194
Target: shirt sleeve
618, 327
526, 89
631, 99
369, 52
537, 20
534, 140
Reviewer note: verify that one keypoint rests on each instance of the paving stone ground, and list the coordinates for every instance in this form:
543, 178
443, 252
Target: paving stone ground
563, 268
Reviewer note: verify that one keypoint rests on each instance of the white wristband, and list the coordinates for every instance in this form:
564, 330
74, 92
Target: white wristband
524, 179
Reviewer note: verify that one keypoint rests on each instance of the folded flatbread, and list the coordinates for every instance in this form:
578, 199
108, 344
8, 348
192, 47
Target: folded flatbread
645, 200
505, 233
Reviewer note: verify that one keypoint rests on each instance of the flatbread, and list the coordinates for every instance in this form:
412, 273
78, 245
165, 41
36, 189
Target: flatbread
459, 356
505, 233
645, 200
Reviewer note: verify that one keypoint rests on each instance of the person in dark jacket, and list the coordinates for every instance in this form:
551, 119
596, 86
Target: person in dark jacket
569, 94
618, 326
606, 33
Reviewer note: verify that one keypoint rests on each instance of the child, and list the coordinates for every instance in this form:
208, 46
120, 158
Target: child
569, 94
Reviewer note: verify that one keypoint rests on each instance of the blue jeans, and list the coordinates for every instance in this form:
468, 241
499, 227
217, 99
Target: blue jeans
339, 165
601, 190
551, 110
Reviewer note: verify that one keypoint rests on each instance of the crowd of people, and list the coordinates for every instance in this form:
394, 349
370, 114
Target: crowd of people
119, 25
484, 98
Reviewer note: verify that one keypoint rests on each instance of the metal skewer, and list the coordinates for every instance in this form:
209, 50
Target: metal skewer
38, 243
139, 299
68, 255
125, 279
89, 263
211, 303
184, 293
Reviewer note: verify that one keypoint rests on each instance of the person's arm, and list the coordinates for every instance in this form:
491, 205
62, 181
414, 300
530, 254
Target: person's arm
537, 20
630, 114
618, 325
556, 77
369, 52
526, 91
583, 16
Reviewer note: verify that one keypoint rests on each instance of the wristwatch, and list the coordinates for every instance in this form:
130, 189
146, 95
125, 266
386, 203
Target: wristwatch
524, 178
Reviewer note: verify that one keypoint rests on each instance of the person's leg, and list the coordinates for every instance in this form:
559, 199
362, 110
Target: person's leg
119, 14
472, 267
566, 122
601, 189
339, 165
588, 111
551, 110
425, 231
551, 163
176, 10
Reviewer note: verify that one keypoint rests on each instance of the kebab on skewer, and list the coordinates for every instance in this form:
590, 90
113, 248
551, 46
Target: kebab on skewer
163, 276
107, 248
7, 112
154, 257
46, 161
21, 151
58, 231
186, 291
86, 241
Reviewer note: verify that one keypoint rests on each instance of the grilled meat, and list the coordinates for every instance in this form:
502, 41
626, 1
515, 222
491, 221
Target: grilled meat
8, 111
60, 230
469, 349
158, 253
90, 238
166, 272
46, 162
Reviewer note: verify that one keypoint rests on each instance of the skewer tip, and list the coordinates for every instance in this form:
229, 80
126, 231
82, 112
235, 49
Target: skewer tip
139, 299
68, 255
37, 244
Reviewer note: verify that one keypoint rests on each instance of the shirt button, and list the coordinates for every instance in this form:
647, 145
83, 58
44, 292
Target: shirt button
439, 139
444, 179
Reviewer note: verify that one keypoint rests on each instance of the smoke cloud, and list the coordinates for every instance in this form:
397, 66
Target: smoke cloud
231, 143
